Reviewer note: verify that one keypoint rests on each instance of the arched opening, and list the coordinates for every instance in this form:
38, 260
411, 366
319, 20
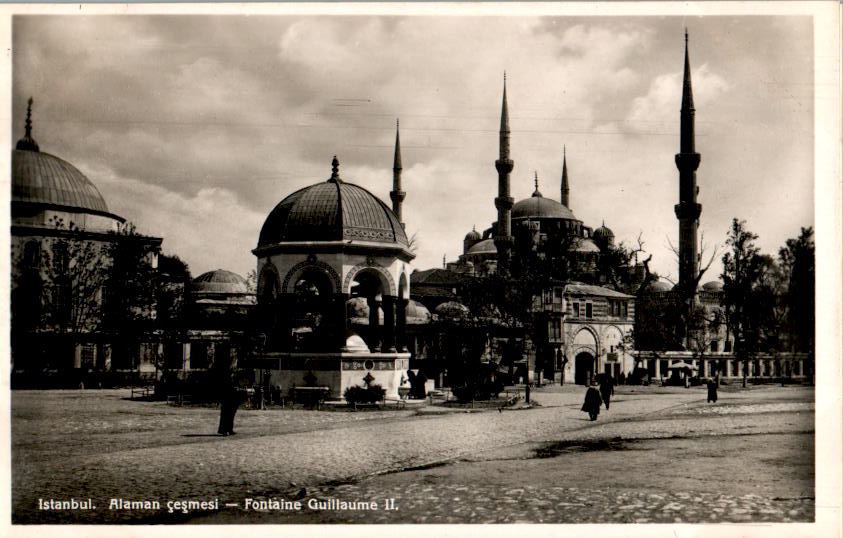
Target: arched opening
370, 285
310, 310
583, 368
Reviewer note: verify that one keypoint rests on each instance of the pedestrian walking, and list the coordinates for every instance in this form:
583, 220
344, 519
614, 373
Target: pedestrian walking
592, 403
607, 389
229, 402
712, 390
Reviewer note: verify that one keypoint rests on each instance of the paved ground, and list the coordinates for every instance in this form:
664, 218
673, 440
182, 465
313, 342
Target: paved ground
658, 455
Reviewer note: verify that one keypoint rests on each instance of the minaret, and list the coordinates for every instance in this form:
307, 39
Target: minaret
687, 210
503, 234
27, 143
565, 189
397, 194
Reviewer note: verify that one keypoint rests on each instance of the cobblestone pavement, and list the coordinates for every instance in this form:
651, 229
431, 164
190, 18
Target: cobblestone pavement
112, 448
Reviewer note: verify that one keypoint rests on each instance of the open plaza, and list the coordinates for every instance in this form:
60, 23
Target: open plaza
658, 455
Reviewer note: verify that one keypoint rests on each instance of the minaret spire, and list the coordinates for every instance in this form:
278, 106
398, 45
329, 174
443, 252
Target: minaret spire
397, 194
503, 232
565, 190
687, 210
536, 193
27, 143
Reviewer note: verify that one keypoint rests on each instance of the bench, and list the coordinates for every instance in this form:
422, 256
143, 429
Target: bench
310, 396
179, 399
142, 392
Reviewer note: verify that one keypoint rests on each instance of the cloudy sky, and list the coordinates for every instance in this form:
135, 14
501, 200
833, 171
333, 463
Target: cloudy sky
195, 127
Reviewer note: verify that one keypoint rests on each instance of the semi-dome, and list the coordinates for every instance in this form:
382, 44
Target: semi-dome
537, 206
332, 211
487, 246
587, 245
219, 281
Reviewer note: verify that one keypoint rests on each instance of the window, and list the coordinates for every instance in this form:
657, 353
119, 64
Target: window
557, 295
714, 345
588, 310
88, 354
625, 309
575, 310
554, 329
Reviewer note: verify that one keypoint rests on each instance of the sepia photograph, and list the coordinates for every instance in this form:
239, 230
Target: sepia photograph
424, 264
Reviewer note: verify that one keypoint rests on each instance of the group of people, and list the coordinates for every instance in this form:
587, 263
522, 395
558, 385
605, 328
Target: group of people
602, 394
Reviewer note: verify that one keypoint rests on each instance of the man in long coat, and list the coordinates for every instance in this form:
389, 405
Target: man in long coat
607, 389
592, 403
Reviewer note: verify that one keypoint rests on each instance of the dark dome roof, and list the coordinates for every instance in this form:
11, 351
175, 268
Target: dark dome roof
486, 246
41, 178
332, 211
473, 235
537, 206
714, 285
220, 281
587, 245
659, 286
603, 233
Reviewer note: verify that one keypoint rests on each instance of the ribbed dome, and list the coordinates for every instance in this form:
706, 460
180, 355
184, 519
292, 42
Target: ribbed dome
417, 313
473, 235
603, 233
332, 211
541, 207
487, 246
41, 178
219, 281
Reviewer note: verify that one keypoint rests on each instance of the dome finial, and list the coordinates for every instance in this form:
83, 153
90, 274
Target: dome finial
27, 143
335, 170
536, 193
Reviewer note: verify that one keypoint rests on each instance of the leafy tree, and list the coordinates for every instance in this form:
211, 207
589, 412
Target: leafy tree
74, 271
744, 299
797, 261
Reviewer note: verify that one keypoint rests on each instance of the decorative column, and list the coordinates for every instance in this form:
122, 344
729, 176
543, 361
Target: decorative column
374, 323
341, 314
401, 322
388, 324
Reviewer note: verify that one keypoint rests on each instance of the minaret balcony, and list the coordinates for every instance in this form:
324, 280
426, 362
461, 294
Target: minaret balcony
504, 202
687, 211
687, 161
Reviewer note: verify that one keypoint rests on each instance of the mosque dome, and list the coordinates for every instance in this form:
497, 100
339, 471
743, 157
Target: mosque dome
353, 342
659, 286
487, 246
713, 286
537, 206
219, 281
603, 233
41, 180
332, 211
417, 313
473, 235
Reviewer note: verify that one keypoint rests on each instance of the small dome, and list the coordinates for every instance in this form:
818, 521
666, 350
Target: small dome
451, 309
713, 286
603, 233
538, 206
659, 286
487, 246
587, 245
219, 281
473, 235
332, 211
417, 313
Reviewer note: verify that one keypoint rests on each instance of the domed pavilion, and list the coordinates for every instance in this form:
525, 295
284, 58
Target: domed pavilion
328, 256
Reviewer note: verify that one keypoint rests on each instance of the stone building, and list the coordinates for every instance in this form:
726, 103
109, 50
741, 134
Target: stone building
63, 241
